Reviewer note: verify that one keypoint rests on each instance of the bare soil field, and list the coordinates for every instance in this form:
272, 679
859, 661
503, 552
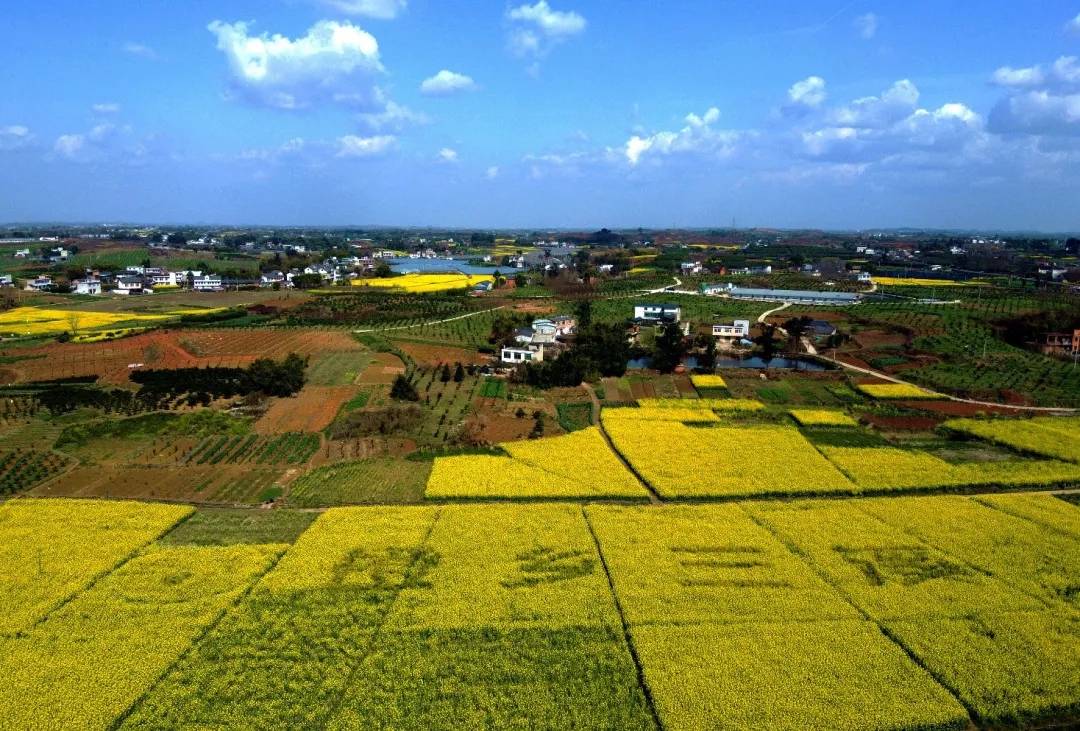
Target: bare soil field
496, 420
311, 410
337, 450
210, 483
383, 369
425, 354
266, 342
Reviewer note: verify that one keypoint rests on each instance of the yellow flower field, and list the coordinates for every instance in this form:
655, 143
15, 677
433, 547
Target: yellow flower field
579, 464
646, 414
426, 282
88, 662
683, 461
888, 468
821, 417
922, 282
715, 404
29, 321
52, 549
509, 566
708, 381
1050, 436
1046, 510
897, 391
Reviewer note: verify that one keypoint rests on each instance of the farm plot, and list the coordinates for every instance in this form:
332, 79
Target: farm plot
207, 483
287, 449
885, 469
367, 481
283, 656
337, 369
1056, 437
384, 368
95, 656
681, 461
1045, 510
267, 342
21, 469
547, 468
893, 391
426, 354
821, 417
734, 631
311, 410
52, 549
517, 607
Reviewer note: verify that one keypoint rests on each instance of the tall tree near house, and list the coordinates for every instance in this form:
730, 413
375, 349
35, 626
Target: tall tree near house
669, 350
706, 356
584, 313
796, 327
444, 376
459, 374
766, 342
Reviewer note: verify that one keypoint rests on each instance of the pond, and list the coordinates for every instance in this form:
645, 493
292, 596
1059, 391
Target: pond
798, 364
406, 265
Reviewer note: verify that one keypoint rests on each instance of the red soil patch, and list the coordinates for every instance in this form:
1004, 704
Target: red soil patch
871, 339
431, 355
311, 410
384, 369
955, 408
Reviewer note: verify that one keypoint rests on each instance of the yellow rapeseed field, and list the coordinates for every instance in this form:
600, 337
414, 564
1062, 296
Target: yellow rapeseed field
889, 468
708, 381
647, 414
886, 572
903, 391
710, 563
683, 461
1046, 510
822, 417
509, 566
89, 661
579, 464
426, 282
28, 321
1050, 436
52, 549
922, 282
789, 676
716, 404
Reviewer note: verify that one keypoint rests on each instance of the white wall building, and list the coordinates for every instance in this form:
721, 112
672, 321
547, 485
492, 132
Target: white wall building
658, 313
87, 286
513, 356
738, 329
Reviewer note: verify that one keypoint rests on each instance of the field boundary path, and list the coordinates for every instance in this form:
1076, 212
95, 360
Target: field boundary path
761, 318
654, 497
894, 379
431, 322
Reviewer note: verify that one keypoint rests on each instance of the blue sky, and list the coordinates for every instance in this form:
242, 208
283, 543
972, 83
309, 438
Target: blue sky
553, 113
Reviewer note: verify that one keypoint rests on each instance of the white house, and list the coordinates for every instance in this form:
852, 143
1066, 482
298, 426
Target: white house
22, 253
738, 329
6, 280
165, 279
564, 324
39, 284
863, 277
513, 356
269, 279
658, 313
691, 267
207, 283
87, 286
130, 285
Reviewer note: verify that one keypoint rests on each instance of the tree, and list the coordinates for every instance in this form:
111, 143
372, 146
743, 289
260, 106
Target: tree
669, 349
766, 342
444, 376
459, 374
383, 270
307, 281
520, 280
584, 313
403, 390
796, 327
706, 357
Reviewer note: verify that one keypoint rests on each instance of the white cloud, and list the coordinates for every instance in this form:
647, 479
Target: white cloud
334, 62
140, 50
381, 9
95, 144
447, 82
1042, 100
1024, 77
698, 136
14, 137
69, 146
809, 92
106, 108
538, 27
394, 117
354, 146
492, 172
1073, 26
866, 26
894, 104
447, 154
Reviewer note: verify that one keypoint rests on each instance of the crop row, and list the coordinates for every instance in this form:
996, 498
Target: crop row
24, 468
293, 448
